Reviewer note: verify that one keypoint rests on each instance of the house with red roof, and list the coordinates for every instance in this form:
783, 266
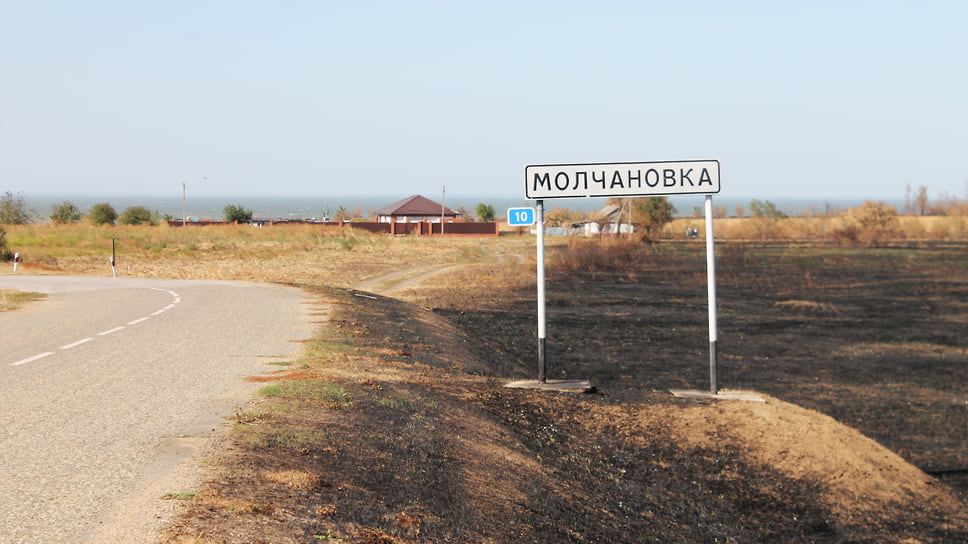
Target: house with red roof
415, 209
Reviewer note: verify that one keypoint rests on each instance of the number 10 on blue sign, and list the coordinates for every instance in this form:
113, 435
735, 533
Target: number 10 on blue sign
520, 217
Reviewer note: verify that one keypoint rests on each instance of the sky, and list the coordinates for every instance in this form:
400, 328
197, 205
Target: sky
820, 99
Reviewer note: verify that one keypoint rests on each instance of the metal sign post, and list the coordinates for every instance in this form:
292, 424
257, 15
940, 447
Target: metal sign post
711, 290
542, 361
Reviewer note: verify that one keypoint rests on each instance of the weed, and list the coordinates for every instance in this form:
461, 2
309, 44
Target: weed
181, 496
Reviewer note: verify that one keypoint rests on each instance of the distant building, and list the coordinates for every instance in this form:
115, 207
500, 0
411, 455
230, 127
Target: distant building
611, 222
415, 209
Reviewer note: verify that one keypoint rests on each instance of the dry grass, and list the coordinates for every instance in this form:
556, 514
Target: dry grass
12, 300
295, 479
824, 229
300, 253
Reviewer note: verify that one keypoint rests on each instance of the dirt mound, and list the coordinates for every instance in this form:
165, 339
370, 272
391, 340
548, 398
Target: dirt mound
855, 473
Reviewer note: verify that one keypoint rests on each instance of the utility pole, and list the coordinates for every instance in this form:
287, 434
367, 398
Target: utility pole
184, 213
443, 200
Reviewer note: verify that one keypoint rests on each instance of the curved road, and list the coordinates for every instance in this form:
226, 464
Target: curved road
98, 379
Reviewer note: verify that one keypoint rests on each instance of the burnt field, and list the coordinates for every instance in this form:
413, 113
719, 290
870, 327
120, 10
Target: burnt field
874, 338
395, 426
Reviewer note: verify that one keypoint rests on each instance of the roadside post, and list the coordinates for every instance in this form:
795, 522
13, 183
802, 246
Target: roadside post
114, 268
623, 179
16, 260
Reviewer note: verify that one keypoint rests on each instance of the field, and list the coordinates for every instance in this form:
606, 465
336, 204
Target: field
394, 425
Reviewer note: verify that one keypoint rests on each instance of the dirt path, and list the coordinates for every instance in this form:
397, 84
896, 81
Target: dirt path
402, 278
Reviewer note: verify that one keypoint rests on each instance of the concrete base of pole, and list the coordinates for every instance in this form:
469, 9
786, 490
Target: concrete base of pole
564, 386
722, 395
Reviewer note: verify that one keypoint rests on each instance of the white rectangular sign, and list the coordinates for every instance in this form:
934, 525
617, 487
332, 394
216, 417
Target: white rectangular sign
620, 179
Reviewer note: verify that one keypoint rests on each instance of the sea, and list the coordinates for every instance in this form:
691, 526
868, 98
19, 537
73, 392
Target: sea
321, 207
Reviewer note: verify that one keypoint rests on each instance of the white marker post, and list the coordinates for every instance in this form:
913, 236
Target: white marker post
114, 268
16, 260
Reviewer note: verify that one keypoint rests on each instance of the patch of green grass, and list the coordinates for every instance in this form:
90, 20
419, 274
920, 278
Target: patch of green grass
307, 389
408, 402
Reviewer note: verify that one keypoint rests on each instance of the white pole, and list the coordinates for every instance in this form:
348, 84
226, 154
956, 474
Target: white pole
711, 284
16, 260
539, 223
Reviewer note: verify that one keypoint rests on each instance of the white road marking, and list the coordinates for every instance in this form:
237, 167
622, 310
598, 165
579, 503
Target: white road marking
75, 344
32, 359
37, 357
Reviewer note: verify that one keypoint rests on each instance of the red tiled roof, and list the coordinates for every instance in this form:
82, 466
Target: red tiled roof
415, 205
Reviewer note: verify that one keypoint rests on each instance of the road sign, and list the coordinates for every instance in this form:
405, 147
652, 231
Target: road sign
626, 179
520, 217
621, 179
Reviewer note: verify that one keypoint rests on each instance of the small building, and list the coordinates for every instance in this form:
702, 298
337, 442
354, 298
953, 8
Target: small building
415, 209
610, 223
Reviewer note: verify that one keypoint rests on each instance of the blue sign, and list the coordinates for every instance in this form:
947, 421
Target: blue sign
520, 217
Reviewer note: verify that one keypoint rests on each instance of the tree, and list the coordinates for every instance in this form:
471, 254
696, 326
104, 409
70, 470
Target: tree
101, 214
237, 213
342, 214
13, 209
651, 215
922, 200
562, 217
136, 215
765, 209
65, 212
484, 212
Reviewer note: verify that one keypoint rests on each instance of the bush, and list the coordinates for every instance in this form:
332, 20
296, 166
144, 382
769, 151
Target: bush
5, 253
136, 215
594, 256
237, 214
65, 212
101, 214
875, 222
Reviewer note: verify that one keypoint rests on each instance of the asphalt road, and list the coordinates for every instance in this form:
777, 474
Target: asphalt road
98, 379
